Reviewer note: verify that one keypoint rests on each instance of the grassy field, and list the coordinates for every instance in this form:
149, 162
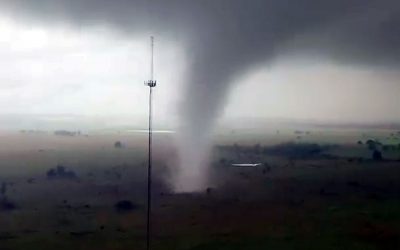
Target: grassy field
303, 196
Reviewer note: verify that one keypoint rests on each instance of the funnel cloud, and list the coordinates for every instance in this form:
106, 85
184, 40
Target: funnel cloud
226, 39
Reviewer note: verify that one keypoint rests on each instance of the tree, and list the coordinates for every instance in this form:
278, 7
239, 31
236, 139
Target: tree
118, 144
377, 155
371, 144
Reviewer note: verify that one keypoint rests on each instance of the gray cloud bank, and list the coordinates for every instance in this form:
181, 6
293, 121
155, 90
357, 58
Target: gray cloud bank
224, 39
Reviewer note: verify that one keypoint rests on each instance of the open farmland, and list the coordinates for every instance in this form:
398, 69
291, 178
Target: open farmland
314, 190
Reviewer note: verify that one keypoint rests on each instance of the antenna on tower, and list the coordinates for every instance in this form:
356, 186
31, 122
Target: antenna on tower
151, 83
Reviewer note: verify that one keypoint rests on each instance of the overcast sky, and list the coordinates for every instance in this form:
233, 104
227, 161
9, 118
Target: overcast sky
228, 59
90, 72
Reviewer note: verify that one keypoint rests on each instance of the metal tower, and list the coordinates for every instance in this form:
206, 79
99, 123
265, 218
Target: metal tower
151, 83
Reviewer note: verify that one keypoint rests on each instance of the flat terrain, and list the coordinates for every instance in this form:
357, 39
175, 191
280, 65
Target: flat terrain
317, 189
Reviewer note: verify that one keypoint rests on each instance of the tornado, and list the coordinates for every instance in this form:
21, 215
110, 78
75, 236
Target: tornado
226, 39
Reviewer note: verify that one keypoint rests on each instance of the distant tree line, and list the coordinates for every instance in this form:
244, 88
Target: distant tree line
289, 149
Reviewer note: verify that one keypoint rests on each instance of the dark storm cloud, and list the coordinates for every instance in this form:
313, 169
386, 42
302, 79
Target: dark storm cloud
253, 29
226, 38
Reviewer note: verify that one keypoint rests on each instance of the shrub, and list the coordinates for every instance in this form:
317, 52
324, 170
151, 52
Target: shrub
6, 205
124, 206
377, 155
118, 144
296, 150
60, 172
371, 144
